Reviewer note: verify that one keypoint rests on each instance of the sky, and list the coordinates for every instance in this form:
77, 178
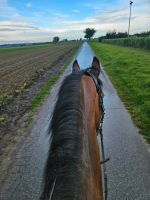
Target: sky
41, 20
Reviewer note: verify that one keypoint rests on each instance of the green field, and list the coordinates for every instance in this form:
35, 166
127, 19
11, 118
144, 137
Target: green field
129, 70
30, 48
11, 50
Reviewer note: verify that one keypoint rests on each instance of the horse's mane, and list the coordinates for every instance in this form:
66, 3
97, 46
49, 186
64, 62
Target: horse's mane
64, 167
64, 157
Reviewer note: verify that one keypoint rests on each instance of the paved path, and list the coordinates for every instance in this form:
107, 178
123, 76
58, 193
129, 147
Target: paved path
128, 170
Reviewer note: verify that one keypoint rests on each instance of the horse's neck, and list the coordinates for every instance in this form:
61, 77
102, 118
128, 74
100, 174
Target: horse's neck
91, 149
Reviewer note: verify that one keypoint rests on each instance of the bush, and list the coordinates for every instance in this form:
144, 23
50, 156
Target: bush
136, 42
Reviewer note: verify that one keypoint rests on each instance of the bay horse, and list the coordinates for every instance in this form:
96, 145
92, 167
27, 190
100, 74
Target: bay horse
73, 169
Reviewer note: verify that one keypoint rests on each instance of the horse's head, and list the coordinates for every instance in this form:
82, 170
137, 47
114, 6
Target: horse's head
91, 95
73, 165
95, 68
92, 85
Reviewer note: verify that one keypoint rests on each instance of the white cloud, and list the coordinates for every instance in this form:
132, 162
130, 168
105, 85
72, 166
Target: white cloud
111, 19
27, 29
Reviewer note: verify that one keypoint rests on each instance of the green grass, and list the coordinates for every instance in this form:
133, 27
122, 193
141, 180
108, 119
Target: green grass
47, 87
22, 49
129, 70
2, 120
28, 48
44, 92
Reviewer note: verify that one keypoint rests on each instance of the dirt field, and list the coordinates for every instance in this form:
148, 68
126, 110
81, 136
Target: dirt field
18, 66
23, 73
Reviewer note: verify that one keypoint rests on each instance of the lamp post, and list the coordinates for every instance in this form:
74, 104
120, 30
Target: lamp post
131, 2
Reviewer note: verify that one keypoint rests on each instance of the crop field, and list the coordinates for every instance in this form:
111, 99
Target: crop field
26, 76
129, 70
20, 65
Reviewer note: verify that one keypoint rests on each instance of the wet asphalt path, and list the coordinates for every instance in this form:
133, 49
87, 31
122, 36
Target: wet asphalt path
129, 166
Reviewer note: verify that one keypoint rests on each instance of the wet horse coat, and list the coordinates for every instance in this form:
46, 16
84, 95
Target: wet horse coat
73, 166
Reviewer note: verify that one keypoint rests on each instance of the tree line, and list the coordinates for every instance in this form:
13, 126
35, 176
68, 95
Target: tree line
89, 33
114, 35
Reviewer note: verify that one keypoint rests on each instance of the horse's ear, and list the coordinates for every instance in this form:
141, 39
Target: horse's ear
75, 66
96, 66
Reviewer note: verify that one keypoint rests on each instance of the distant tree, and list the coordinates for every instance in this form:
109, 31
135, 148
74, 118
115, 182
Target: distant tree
101, 38
113, 34
89, 32
122, 35
55, 39
65, 40
143, 34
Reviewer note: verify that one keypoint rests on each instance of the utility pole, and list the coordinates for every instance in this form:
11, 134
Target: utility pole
131, 2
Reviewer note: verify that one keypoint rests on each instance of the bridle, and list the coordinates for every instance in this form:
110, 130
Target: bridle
99, 91
101, 105
98, 87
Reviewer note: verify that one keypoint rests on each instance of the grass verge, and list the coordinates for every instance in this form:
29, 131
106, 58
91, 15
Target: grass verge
2, 120
45, 91
129, 70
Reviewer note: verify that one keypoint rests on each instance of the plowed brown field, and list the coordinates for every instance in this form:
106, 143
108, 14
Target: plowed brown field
23, 73
18, 66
